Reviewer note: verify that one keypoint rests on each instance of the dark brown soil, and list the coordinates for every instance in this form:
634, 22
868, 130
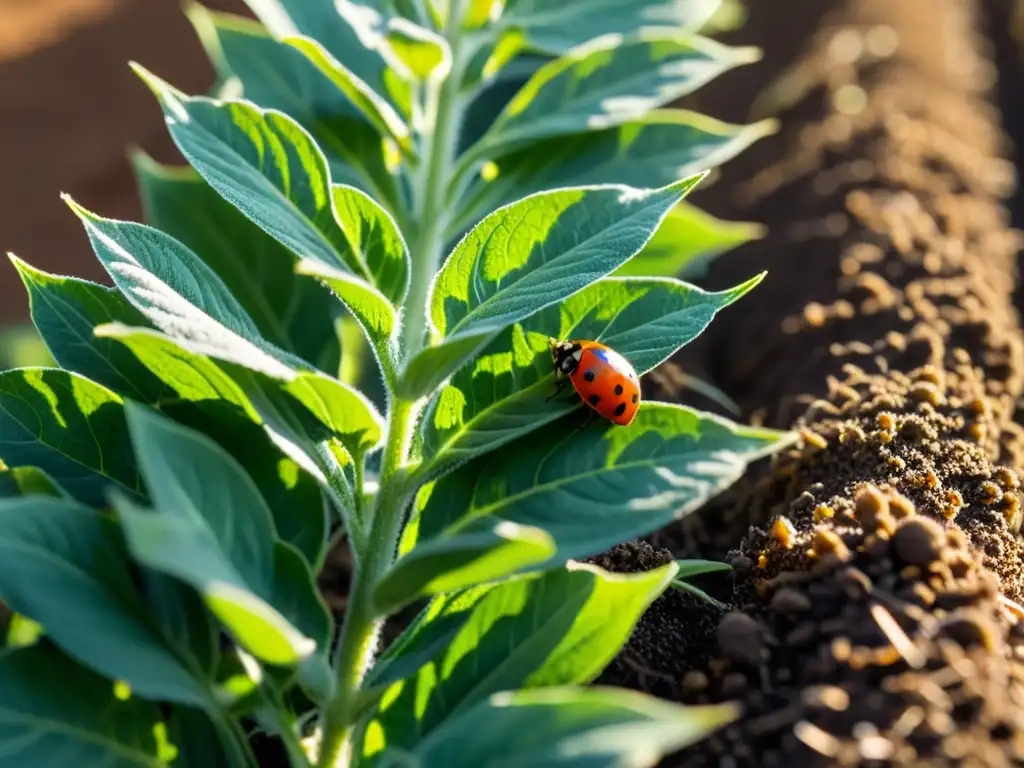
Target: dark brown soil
877, 567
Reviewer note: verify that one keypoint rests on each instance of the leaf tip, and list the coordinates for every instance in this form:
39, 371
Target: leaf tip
766, 127
76, 209
747, 54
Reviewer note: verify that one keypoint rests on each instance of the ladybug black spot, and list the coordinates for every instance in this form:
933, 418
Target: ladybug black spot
618, 389
589, 375
595, 399
635, 398
621, 409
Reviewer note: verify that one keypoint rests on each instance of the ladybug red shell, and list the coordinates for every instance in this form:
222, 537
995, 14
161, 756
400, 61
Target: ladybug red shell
601, 376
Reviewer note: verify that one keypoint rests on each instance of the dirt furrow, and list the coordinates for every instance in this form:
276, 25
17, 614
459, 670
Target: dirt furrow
875, 600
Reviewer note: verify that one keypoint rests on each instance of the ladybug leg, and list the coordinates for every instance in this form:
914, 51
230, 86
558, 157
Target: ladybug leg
559, 387
586, 421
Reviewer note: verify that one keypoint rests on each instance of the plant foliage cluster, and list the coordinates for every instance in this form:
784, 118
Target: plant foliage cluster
333, 328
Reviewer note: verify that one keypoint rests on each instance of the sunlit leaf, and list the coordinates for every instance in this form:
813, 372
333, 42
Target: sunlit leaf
555, 628
596, 487
289, 312
528, 256
277, 76
558, 27
605, 83
469, 558
65, 310
508, 390
68, 426
211, 528
570, 728
649, 152
687, 240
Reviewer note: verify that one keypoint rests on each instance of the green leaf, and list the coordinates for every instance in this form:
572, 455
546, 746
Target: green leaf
265, 401
380, 113
183, 297
202, 743
649, 152
423, 52
208, 399
686, 242
211, 529
596, 487
528, 256
558, 28
690, 568
353, 32
276, 76
469, 558
291, 313
267, 166
296, 597
178, 292
555, 628
32, 481
57, 713
196, 481
570, 728
69, 427
65, 311
507, 391
608, 82
66, 568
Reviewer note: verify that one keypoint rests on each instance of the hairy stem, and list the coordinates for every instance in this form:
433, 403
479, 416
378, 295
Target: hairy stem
361, 625
431, 188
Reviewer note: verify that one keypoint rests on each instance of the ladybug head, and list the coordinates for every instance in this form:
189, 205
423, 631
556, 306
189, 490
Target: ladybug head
565, 356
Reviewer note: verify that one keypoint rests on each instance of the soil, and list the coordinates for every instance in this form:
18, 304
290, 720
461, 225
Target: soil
875, 598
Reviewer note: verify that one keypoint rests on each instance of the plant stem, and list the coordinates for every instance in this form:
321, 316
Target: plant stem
431, 188
361, 625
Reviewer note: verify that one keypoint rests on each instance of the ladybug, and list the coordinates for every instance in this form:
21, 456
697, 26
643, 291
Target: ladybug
601, 376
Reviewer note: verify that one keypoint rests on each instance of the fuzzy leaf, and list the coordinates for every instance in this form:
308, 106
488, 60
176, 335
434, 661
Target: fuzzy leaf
555, 628
186, 300
380, 113
32, 481
208, 399
469, 558
506, 392
608, 82
66, 568
277, 76
530, 255
42, 724
268, 166
178, 292
687, 240
649, 152
71, 428
594, 488
423, 52
557, 29
570, 728
211, 529
291, 313
353, 31
66, 310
